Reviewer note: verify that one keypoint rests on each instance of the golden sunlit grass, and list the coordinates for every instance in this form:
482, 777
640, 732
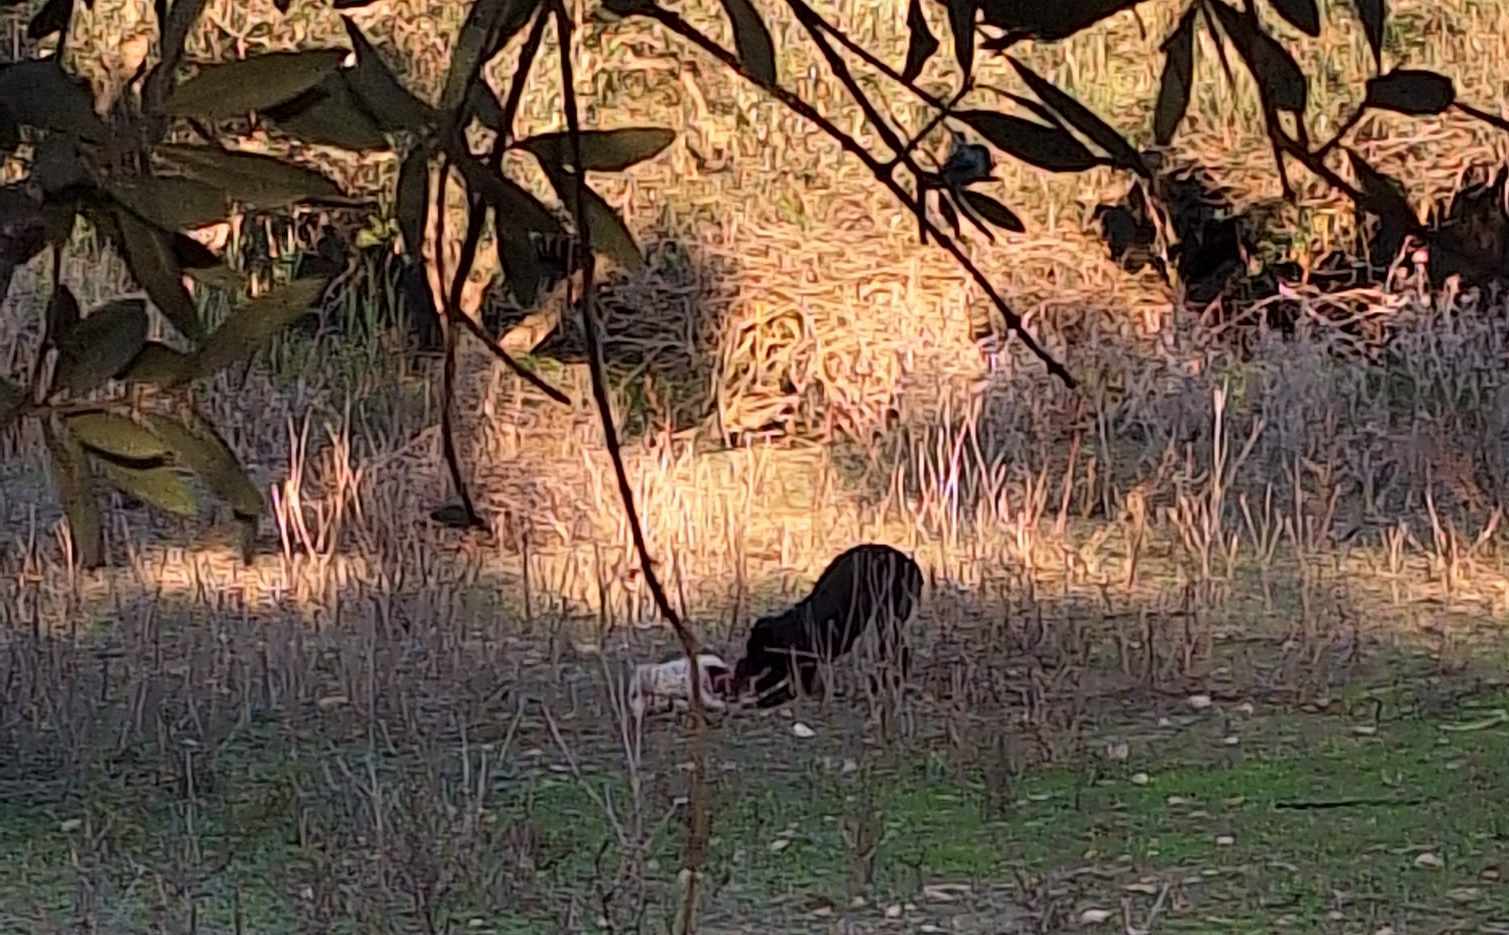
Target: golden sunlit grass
1289, 528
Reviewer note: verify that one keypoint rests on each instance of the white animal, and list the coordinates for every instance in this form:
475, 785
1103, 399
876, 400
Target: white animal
656, 683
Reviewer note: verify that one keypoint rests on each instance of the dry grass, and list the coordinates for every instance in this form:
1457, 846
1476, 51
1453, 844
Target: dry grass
1276, 527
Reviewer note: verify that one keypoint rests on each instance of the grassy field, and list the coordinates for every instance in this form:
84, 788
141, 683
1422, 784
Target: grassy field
1217, 643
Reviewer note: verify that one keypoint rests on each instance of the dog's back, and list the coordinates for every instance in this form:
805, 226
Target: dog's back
867, 583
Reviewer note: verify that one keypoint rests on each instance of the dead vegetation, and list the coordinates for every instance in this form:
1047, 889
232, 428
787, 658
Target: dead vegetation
352, 730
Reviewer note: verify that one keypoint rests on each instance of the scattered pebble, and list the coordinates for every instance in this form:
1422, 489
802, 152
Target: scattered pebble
1225, 840
1095, 916
1429, 861
803, 731
1141, 779
1199, 702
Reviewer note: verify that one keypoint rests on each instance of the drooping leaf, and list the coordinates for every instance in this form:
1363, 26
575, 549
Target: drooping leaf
1277, 74
116, 436
149, 254
252, 325
505, 196
329, 115
75, 485
752, 40
1081, 118
164, 486
413, 201
1177, 81
1032, 142
200, 449
610, 236
380, 92
602, 150
1381, 195
53, 17
1372, 14
1301, 14
156, 364
38, 93
59, 211
921, 44
173, 26
485, 106
1411, 91
946, 208
62, 311
170, 203
961, 22
514, 19
521, 264
55, 164
471, 46
1046, 20
233, 89
252, 179
993, 211
96, 348
12, 398
23, 225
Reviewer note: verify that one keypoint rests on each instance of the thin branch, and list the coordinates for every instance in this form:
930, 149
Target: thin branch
699, 818
801, 108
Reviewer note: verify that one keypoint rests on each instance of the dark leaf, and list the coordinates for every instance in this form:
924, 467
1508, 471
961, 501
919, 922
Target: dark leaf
1280, 78
610, 236
1032, 142
281, 5
1177, 80
1080, 117
38, 93
752, 40
170, 203
1301, 14
149, 254
961, 22
413, 201
521, 264
163, 486
485, 106
1046, 20
201, 449
506, 197
1381, 195
993, 211
62, 311
922, 44
96, 348
946, 208
468, 54
1411, 91
250, 178
75, 485
602, 150
514, 18
53, 17
453, 515
10, 132
330, 115
379, 90
23, 225
55, 164
59, 211
157, 365
252, 325
12, 398
115, 436
1372, 14
234, 89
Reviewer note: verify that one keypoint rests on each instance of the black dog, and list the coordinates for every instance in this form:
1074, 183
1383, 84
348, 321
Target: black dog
869, 585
